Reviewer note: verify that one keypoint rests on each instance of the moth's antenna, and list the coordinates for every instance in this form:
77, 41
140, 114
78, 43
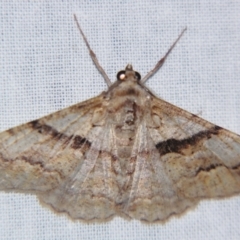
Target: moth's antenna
93, 55
161, 61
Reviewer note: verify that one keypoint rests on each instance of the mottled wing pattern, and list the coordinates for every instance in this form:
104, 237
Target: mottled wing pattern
70, 160
90, 191
192, 158
52, 157
180, 159
153, 196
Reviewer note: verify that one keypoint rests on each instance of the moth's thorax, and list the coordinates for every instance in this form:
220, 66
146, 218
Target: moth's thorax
128, 97
128, 89
127, 107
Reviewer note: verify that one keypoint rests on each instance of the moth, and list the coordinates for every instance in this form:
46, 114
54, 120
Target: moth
123, 153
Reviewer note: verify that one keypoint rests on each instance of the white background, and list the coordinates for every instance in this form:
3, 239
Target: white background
45, 66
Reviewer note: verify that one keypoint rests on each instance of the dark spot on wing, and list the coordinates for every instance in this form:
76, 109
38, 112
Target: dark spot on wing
79, 141
236, 167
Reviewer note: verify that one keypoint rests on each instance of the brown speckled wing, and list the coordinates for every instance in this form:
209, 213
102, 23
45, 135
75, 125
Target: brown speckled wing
123, 153
39, 156
198, 160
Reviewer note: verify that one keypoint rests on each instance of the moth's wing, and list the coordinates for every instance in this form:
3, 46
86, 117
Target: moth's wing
39, 156
65, 159
153, 196
90, 190
186, 159
206, 156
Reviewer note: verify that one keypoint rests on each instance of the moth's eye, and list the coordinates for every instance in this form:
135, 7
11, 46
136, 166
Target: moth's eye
138, 76
121, 75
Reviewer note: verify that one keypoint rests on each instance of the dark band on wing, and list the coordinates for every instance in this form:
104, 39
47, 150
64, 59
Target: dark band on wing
209, 168
47, 130
177, 146
234, 169
77, 141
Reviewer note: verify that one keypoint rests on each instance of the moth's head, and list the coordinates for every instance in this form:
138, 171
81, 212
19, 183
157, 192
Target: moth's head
128, 74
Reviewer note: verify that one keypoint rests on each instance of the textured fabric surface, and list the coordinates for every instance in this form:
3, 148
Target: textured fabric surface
45, 66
